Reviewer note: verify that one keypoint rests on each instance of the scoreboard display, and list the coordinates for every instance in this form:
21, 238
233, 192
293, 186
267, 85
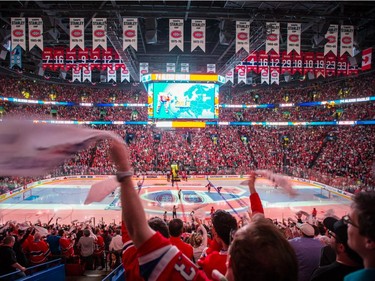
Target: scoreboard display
187, 97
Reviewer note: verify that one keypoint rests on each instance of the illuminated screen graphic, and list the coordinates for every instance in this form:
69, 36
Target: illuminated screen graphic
183, 100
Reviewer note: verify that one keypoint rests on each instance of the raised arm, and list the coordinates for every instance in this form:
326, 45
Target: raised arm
255, 202
132, 209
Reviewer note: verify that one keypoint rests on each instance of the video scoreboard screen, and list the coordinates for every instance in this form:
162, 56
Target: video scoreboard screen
183, 100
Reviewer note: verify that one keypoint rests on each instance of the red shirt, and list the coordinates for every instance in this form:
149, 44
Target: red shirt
161, 261
215, 260
185, 248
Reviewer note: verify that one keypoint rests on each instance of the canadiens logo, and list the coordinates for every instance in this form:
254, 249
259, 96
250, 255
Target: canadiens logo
129, 33
242, 36
76, 71
99, 33
176, 34
293, 38
274, 74
241, 73
346, 40
198, 34
265, 73
272, 37
76, 33
111, 71
17, 32
86, 71
229, 74
331, 39
125, 71
143, 71
35, 33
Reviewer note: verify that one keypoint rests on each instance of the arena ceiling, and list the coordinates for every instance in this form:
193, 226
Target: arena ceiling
220, 20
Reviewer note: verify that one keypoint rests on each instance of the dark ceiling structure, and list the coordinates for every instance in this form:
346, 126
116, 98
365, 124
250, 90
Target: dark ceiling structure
220, 16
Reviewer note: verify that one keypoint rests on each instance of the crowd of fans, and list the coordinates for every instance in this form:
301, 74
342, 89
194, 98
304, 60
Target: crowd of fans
339, 156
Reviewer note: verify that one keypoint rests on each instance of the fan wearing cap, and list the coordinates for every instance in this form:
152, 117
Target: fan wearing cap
346, 261
307, 250
361, 234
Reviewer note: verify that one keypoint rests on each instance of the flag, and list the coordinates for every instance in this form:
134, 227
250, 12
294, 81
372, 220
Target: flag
366, 59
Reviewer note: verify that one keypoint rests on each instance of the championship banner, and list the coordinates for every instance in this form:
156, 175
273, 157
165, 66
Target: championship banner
143, 69
241, 73
211, 68
308, 63
171, 67
95, 59
297, 64
198, 34
176, 34
252, 62
265, 77
47, 60
275, 77
331, 36
319, 65
294, 38
342, 65
346, 39
286, 63
77, 36
83, 58
330, 65
58, 58
70, 59
16, 57
273, 36
366, 59
184, 67
107, 59
111, 75
35, 33
262, 61
130, 33
76, 74
99, 33
229, 76
242, 35
125, 75
86, 74
18, 34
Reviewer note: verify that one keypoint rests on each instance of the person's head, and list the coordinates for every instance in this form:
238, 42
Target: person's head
9, 241
223, 225
196, 239
158, 224
61, 232
361, 224
339, 241
260, 252
37, 237
175, 227
86, 232
307, 230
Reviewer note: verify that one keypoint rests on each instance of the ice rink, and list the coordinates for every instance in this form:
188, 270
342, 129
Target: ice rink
64, 199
